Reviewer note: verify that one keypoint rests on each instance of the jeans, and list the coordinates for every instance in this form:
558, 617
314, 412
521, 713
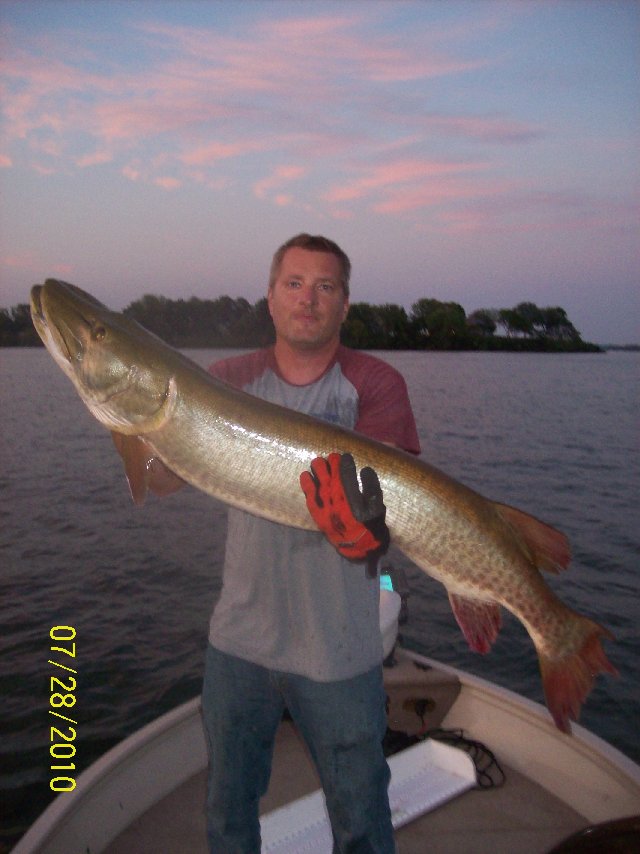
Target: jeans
343, 724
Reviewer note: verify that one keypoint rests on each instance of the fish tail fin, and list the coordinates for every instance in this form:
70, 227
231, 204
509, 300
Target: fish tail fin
479, 621
568, 679
549, 548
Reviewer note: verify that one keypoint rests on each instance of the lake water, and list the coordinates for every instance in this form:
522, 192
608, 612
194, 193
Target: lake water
556, 435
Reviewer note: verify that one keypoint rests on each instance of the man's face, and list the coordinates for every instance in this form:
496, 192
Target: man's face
307, 301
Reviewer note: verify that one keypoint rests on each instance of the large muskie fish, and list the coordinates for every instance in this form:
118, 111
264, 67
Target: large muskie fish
250, 453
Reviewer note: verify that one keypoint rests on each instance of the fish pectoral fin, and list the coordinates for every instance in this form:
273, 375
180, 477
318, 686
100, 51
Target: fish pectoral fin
144, 470
160, 479
136, 455
548, 547
480, 621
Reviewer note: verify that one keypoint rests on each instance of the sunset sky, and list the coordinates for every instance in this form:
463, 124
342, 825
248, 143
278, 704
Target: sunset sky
480, 152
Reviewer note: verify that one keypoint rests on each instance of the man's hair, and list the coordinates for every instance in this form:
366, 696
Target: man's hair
312, 243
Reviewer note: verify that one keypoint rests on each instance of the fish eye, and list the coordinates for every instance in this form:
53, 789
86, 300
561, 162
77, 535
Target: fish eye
98, 333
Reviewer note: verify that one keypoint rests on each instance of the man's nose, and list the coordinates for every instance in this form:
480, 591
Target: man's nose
309, 294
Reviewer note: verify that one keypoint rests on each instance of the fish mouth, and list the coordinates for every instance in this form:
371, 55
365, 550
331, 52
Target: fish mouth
37, 313
36, 302
51, 334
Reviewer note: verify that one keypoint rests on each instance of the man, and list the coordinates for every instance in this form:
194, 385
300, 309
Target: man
297, 624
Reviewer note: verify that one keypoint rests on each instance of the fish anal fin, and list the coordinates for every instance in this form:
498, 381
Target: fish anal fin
479, 621
549, 548
567, 680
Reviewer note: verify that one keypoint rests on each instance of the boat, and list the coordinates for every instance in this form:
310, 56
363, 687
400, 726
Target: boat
480, 769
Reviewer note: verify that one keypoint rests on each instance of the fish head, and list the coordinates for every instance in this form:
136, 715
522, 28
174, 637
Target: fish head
115, 364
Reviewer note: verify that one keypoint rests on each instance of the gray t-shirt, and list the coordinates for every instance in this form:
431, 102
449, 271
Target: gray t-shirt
289, 601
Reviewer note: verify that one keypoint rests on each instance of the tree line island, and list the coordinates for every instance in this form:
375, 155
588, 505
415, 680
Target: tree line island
429, 325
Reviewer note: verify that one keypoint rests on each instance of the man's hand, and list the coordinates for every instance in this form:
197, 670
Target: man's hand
352, 520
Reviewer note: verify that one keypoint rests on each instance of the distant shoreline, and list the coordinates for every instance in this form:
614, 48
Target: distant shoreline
494, 345
628, 348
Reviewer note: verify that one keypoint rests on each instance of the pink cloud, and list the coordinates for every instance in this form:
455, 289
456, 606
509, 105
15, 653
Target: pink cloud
62, 269
131, 172
397, 65
486, 128
399, 200
341, 214
398, 173
215, 151
347, 41
34, 80
41, 169
302, 30
48, 145
20, 261
217, 183
136, 119
31, 264
94, 159
206, 61
46, 74
167, 182
280, 176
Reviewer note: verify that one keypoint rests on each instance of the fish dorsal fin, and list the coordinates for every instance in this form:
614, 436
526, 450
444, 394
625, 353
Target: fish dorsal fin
479, 621
549, 548
144, 471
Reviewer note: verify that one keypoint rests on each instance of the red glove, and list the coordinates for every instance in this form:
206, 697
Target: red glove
353, 521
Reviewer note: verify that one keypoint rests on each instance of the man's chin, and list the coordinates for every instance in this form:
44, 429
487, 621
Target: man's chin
309, 343
310, 340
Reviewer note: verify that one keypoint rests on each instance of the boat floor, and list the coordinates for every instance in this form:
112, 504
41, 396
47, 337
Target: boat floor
520, 816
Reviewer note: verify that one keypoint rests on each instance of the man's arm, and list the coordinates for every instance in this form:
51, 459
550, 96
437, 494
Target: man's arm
384, 408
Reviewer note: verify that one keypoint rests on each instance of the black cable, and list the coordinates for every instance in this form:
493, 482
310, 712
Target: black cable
488, 770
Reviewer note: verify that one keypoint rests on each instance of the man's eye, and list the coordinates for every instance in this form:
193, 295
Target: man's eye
294, 283
326, 287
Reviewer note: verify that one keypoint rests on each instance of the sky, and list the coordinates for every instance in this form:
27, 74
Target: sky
484, 153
